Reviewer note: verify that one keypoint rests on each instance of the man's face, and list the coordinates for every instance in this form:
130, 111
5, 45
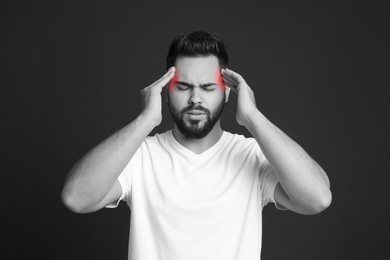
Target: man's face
196, 95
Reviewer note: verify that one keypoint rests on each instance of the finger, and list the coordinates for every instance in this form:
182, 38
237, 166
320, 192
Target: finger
171, 69
164, 79
230, 78
227, 79
231, 83
232, 87
234, 75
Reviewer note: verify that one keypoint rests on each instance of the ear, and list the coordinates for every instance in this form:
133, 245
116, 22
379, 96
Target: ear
227, 92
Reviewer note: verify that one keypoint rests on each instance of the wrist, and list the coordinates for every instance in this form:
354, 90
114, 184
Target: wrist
148, 119
252, 117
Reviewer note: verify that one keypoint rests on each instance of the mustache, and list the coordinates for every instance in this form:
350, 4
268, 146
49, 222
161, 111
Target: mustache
196, 107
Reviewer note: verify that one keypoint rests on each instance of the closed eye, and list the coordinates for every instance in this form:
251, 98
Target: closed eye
209, 88
181, 87
185, 86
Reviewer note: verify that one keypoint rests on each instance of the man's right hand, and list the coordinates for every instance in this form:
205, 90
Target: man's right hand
151, 98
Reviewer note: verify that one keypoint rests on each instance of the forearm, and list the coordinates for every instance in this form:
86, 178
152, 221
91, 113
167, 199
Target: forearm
92, 177
303, 180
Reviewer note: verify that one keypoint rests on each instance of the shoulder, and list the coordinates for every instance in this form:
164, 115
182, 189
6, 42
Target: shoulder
158, 140
158, 137
240, 140
241, 143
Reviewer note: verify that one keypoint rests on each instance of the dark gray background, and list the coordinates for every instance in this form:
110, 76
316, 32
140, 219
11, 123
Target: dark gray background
72, 73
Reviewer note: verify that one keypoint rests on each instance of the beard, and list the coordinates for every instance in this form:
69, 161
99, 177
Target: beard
193, 128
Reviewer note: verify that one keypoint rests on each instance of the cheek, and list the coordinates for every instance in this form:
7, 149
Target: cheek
176, 101
213, 100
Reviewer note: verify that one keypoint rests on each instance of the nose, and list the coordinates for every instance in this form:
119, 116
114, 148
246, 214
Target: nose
195, 97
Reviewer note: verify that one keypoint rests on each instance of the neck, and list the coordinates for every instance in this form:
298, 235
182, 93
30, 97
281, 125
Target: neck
199, 145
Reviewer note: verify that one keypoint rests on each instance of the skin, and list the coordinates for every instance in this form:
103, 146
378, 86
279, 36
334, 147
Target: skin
197, 86
92, 183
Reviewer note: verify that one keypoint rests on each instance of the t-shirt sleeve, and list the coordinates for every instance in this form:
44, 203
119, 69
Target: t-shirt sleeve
268, 182
125, 179
267, 178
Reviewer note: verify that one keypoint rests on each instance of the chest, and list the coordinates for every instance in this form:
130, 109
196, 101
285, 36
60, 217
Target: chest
213, 186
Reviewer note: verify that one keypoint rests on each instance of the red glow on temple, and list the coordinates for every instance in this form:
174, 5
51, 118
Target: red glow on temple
218, 77
172, 82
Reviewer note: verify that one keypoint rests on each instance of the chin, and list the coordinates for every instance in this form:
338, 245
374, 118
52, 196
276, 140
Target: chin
194, 130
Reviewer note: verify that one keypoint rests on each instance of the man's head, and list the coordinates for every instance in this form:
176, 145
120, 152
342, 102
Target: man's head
196, 95
195, 44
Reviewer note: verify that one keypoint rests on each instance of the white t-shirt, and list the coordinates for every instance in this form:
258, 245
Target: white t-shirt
187, 206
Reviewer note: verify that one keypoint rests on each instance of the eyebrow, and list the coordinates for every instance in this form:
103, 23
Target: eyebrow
192, 85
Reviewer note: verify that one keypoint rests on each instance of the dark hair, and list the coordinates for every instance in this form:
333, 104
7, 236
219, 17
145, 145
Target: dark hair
197, 43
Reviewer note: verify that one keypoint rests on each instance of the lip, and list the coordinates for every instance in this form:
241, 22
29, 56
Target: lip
195, 112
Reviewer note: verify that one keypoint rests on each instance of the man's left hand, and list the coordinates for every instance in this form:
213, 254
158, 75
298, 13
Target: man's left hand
246, 104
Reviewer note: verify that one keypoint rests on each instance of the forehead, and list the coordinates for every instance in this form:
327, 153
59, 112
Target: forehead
197, 68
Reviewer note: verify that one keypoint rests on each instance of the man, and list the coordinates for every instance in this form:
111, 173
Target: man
196, 191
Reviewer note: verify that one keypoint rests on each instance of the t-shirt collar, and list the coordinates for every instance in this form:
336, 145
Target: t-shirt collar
190, 154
